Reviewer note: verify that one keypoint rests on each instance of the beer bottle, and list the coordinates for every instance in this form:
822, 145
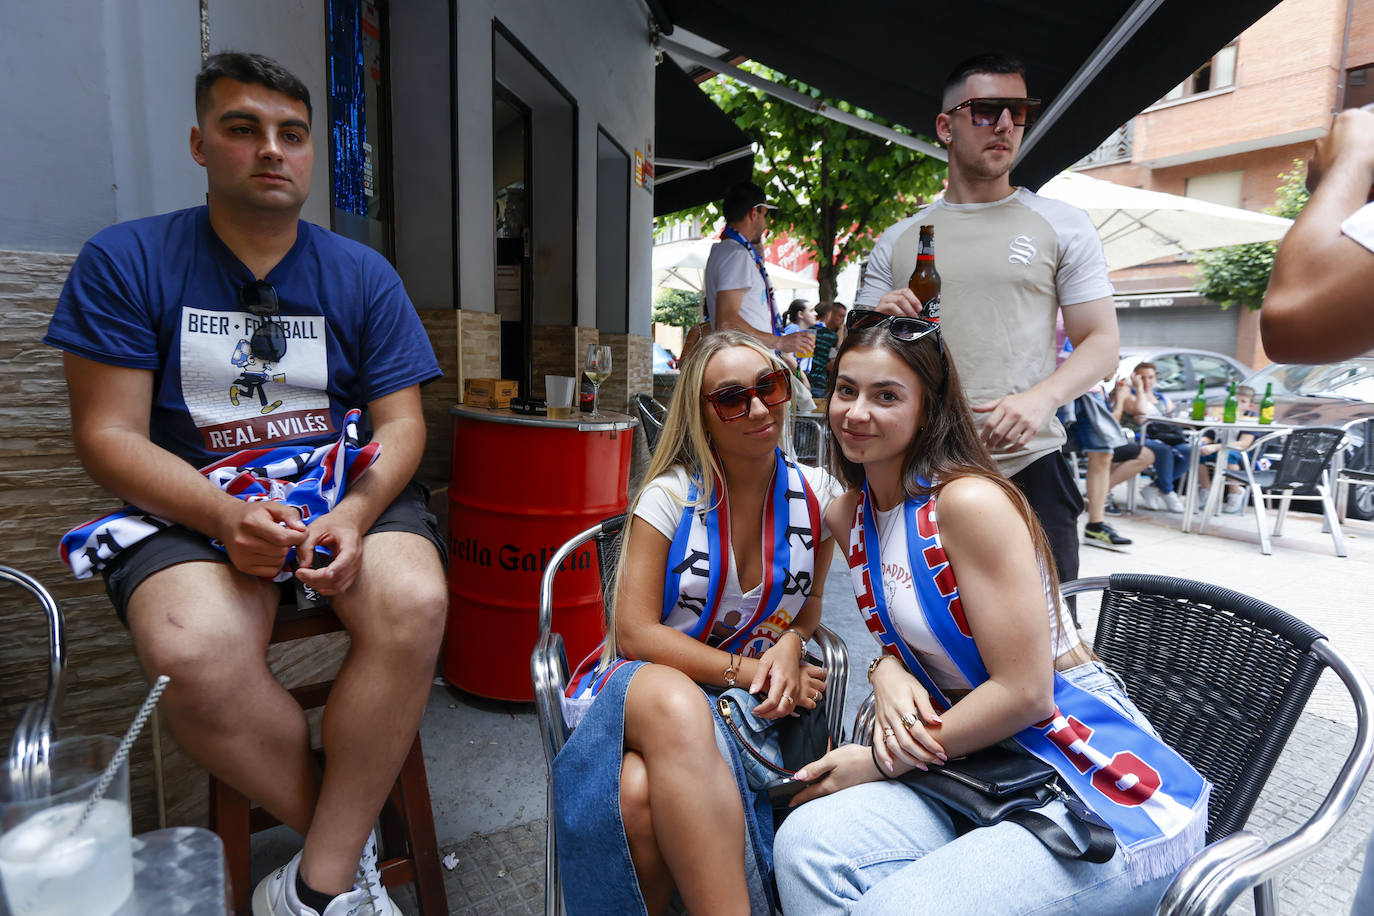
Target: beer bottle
925, 279
1267, 405
1200, 401
1228, 413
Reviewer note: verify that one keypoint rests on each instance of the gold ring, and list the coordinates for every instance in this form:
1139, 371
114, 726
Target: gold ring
887, 732
909, 720
816, 697
786, 698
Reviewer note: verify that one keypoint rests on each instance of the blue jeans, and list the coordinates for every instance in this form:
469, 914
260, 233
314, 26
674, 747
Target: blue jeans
1171, 463
880, 848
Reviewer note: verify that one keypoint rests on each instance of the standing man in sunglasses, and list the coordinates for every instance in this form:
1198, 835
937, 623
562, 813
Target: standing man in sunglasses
1009, 262
738, 294
173, 327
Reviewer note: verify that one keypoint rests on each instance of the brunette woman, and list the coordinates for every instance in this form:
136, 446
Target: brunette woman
719, 585
964, 602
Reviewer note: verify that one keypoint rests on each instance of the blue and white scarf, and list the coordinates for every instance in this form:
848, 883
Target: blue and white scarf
311, 479
1153, 800
732, 233
699, 561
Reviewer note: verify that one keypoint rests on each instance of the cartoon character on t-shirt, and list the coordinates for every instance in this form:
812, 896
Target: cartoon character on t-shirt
255, 374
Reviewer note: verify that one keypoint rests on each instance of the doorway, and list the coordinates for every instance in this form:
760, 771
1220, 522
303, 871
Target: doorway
510, 131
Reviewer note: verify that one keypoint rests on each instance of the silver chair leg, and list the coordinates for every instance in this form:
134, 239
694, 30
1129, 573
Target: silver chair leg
1329, 513
553, 887
1283, 512
1342, 498
1265, 902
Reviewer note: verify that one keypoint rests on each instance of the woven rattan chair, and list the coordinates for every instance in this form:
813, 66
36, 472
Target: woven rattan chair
1304, 466
549, 672
1223, 678
651, 415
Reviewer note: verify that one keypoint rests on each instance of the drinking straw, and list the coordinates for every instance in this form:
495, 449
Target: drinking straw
122, 752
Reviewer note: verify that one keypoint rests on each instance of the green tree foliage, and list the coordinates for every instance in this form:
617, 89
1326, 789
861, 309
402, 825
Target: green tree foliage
677, 308
837, 188
1239, 274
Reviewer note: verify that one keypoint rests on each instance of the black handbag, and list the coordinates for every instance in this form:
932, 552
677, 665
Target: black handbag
999, 784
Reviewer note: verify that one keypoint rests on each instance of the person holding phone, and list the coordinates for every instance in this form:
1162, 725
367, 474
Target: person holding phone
719, 585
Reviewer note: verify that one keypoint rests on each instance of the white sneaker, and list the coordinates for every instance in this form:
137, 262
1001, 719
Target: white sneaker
1151, 498
1234, 502
275, 895
1173, 501
370, 880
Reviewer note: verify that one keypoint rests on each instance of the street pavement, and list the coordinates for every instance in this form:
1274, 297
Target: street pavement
486, 765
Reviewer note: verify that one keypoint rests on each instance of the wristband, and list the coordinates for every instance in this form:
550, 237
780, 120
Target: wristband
876, 765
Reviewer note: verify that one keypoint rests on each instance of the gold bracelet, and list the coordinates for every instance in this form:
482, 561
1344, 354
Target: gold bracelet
731, 672
873, 665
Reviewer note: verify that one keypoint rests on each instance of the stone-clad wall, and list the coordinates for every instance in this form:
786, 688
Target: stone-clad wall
44, 492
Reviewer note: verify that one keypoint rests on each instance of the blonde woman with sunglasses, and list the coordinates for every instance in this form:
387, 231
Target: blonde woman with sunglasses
718, 586
963, 600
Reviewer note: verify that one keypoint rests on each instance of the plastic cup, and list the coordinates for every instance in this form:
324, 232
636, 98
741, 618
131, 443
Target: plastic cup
558, 394
50, 866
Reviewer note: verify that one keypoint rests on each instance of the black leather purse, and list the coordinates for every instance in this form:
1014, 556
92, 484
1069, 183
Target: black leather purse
998, 784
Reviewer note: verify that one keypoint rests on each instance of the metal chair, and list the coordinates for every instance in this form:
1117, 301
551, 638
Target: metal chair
1361, 445
651, 416
549, 672
1223, 678
1304, 465
808, 440
36, 729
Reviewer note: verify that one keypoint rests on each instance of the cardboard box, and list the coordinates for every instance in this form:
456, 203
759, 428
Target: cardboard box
489, 392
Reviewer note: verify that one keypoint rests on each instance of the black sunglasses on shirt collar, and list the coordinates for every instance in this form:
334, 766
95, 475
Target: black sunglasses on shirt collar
268, 342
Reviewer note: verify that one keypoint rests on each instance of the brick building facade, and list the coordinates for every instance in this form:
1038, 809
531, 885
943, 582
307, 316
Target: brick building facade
1224, 135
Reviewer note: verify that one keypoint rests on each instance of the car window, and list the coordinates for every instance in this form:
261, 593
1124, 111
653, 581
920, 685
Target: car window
1214, 372
1170, 372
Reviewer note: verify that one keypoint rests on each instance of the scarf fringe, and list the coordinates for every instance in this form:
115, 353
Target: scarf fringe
1165, 857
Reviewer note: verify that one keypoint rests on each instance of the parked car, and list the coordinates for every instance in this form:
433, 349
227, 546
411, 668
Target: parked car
665, 363
1180, 369
1329, 395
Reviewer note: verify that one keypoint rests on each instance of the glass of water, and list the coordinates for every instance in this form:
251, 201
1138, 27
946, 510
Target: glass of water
59, 855
598, 369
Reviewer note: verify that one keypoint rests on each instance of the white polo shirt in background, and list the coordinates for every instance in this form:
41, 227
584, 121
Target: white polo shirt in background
731, 266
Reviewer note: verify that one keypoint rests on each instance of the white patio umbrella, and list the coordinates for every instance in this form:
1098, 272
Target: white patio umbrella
682, 265
1138, 225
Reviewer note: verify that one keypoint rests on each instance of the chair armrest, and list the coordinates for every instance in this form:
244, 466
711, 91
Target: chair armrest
1213, 880
548, 674
835, 660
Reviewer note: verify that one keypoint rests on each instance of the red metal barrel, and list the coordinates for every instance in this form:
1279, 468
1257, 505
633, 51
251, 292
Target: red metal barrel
521, 487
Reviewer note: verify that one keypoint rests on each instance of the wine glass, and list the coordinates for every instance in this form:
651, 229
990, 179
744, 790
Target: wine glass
598, 369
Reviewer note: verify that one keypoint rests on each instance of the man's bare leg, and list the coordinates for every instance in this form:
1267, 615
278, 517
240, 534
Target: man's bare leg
1099, 469
394, 612
207, 626
1125, 470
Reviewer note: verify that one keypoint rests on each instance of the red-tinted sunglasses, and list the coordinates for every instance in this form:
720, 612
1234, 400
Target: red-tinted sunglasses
986, 112
732, 402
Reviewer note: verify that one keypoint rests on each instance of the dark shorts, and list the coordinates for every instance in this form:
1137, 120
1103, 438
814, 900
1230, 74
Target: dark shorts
1088, 438
1126, 452
1051, 487
177, 544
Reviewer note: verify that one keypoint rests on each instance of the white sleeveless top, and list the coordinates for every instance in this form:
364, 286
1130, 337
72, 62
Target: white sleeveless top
911, 623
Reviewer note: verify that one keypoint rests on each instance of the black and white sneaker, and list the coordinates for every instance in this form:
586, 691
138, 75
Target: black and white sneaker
1103, 535
1112, 508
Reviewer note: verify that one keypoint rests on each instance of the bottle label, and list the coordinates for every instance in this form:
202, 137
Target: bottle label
931, 309
1267, 415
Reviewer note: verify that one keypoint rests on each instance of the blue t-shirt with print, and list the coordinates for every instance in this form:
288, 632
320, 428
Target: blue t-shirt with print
163, 294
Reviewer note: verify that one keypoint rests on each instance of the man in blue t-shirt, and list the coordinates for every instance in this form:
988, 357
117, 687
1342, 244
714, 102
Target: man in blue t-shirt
195, 334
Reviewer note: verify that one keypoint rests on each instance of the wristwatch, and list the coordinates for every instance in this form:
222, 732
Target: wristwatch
873, 665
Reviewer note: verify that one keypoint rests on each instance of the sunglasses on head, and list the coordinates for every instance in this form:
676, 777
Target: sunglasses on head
268, 342
987, 112
732, 402
899, 327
